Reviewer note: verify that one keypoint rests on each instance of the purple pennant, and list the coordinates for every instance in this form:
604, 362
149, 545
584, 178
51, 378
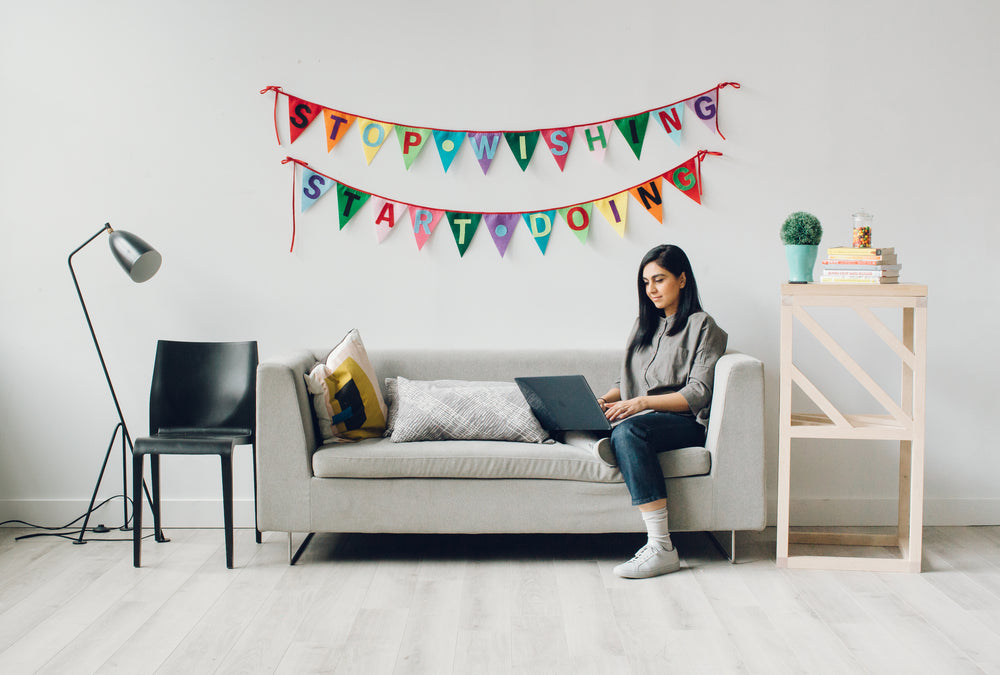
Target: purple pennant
484, 146
501, 227
706, 107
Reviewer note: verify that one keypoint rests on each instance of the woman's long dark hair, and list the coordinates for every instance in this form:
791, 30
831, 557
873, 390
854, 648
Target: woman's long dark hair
675, 261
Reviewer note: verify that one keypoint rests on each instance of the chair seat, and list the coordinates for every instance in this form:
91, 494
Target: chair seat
186, 445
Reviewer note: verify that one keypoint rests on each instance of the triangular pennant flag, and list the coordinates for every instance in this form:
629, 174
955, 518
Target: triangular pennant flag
300, 114
671, 118
706, 107
522, 144
578, 219
424, 222
558, 141
314, 186
540, 226
463, 228
684, 177
349, 201
448, 143
411, 142
634, 130
484, 146
648, 194
596, 136
386, 214
501, 227
615, 211
337, 124
373, 135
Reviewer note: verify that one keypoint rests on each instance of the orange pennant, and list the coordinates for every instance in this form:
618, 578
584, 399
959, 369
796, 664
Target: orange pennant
337, 124
648, 194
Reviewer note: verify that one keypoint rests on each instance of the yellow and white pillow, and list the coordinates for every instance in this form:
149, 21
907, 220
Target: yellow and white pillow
345, 393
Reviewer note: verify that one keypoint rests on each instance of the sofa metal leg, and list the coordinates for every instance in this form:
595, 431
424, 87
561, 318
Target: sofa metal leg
731, 552
294, 557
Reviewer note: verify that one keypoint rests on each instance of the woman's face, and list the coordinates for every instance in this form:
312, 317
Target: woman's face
663, 288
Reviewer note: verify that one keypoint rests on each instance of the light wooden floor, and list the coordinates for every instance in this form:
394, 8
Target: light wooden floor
488, 604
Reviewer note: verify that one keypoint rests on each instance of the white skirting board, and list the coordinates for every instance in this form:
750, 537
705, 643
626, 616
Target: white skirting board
876, 512
804, 512
175, 513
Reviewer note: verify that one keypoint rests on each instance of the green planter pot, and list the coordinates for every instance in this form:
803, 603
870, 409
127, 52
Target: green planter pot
801, 259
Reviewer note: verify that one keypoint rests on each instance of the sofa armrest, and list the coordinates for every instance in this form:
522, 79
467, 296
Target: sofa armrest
736, 440
286, 441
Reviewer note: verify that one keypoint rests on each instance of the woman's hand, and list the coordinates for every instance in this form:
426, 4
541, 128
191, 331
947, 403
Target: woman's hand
622, 409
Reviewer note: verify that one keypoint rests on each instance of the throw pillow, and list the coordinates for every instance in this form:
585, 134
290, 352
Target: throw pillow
460, 410
346, 398
390, 403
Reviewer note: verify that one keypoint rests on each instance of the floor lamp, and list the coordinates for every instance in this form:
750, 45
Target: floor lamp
140, 261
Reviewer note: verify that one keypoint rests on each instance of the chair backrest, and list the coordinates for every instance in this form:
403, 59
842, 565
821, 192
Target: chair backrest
204, 385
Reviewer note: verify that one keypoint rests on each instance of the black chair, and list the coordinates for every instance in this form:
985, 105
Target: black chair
203, 401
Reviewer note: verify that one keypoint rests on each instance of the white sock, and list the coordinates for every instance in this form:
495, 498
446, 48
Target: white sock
656, 526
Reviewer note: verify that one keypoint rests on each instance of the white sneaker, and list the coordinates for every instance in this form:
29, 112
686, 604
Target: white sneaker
602, 448
650, 561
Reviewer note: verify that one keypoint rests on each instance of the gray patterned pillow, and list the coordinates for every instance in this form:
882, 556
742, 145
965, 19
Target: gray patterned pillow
440, 410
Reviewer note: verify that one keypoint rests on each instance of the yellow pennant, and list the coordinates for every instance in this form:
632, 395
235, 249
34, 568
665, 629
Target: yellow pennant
373, 135
615, 209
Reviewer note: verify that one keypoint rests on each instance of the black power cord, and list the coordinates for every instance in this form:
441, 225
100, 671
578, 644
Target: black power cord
74, 534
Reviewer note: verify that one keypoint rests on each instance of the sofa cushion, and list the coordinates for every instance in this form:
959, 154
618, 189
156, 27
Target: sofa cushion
439, 410
347, 401
381, 458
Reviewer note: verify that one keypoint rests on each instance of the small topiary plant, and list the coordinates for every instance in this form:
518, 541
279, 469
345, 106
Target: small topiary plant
801, 228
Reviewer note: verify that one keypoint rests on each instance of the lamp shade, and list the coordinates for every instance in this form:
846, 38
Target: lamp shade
140, 260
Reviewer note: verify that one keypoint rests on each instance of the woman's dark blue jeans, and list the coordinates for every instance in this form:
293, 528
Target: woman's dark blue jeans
637, 443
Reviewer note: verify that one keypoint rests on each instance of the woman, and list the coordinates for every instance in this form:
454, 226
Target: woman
661, 401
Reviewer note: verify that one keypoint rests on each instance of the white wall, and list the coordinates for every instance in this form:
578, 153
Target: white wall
147, 115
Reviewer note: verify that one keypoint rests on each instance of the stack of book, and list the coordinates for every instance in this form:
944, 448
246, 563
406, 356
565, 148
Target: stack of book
849, 265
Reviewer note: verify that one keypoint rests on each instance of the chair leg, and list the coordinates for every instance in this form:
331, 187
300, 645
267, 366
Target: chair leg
227, 504
154, 478
137, 509
256, 526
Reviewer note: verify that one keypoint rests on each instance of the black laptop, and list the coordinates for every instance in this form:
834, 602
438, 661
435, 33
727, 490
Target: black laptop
563, 403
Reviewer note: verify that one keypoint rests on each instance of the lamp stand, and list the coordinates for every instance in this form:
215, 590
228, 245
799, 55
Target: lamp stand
126, 438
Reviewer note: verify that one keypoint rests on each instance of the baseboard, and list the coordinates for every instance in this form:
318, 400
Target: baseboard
804, 512
175, 513
874, 512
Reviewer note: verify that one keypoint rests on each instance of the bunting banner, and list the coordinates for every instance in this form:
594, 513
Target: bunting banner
312, 185
593, 136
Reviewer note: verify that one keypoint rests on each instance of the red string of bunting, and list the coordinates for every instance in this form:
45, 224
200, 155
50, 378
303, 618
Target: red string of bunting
302, 112
686, 177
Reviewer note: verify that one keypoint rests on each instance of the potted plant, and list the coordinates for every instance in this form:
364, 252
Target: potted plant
801, 233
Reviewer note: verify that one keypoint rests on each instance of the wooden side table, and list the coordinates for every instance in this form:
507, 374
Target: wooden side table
904, 421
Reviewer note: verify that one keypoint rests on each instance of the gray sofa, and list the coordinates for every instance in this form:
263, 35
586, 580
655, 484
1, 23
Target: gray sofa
376, 485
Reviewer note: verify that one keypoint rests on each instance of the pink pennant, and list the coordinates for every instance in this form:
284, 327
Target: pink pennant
595, 138
424, 222
386, 214
558, 141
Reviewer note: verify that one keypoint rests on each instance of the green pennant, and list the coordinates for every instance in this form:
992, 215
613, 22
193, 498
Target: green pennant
349, 202
522, 144
634, 130
463, 228
578, 219
411, 142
